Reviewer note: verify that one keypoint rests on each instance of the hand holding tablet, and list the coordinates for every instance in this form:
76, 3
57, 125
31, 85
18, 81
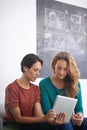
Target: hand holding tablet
65, 105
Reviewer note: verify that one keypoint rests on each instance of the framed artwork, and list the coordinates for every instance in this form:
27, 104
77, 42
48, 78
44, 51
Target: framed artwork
61, 27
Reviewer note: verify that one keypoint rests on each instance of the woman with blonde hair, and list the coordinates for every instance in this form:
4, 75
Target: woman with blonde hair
64, 81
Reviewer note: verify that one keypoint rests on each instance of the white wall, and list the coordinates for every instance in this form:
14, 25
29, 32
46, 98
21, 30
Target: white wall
18, 37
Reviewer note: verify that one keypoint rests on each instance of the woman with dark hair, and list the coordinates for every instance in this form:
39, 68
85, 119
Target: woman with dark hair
22, 97
63, 81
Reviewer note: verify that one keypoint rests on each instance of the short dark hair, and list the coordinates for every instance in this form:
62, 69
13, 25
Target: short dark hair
29, 59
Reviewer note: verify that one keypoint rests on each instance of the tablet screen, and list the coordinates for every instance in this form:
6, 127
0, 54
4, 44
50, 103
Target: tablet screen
65, 105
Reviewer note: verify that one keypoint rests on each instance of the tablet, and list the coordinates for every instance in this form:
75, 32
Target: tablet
65, 105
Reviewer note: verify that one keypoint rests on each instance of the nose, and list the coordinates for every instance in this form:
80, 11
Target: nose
38, 73
62, 71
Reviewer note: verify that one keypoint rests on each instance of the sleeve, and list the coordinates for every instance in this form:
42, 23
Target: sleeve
79, 106
45, 100
11, 97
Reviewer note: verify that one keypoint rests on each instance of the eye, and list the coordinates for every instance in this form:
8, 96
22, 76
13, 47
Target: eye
35, 69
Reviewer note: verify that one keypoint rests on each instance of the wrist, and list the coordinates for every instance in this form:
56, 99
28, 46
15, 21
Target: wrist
43, 118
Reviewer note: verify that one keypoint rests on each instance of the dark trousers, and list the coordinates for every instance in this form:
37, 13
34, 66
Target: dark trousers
46, 126
83, 125
37, 126
68, 126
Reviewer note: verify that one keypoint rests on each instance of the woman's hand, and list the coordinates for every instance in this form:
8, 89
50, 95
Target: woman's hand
77, 119
50, 116
54, 119
60, 118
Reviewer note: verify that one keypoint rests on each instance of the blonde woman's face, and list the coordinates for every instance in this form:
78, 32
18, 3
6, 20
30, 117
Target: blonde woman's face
61, 69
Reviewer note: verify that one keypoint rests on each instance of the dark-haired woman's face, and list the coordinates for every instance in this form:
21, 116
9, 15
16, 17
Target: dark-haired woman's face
32, 73
61, 69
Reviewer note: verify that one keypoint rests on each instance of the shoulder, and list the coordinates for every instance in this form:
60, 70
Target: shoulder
12, 85
12, 89
44, 80
45, 84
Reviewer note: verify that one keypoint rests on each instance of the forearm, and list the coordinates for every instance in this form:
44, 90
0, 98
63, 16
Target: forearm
38, 117
29, 120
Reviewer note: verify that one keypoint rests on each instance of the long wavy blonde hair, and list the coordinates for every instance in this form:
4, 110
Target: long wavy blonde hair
71, 80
